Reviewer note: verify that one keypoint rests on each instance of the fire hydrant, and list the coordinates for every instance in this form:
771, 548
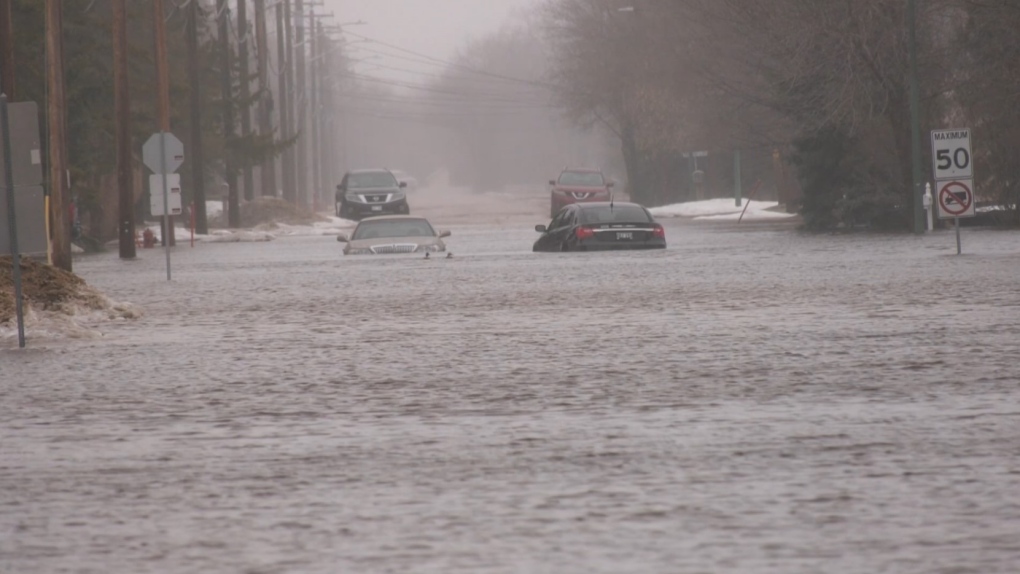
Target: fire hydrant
148, 239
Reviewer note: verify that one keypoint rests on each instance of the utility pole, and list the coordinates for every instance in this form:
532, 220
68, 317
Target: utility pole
122, 127
195, 156
917, 192
267, 171
287, 102
326, 79
226, 86
314, 104
163, 98
301, 101
56, 105
326, 114
245, 97
7, 83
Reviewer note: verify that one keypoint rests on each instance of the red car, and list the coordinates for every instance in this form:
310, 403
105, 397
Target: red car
578, 185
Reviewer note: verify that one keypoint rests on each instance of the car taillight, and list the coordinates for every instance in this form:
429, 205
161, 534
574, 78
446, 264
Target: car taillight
584, 233
658, 232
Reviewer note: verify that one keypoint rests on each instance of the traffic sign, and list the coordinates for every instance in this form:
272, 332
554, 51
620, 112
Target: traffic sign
956, 199
173, 186
950, 155
167, 154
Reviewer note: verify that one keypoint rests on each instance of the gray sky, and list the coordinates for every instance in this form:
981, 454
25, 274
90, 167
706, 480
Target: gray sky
432, 27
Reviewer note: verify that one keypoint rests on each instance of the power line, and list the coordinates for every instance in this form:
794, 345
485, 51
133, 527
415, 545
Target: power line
440, 61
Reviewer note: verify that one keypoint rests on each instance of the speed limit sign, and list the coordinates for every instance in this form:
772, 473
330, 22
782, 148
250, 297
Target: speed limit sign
950, 154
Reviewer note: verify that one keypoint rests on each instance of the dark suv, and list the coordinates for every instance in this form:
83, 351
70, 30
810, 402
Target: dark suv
577, 186
368, 192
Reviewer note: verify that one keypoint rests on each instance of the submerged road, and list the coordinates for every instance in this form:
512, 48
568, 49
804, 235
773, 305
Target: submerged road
749, 400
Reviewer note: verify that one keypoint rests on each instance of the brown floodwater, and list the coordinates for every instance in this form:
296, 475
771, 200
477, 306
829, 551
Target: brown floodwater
751, 399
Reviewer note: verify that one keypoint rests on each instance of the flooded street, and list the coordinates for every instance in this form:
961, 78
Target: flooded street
749, 400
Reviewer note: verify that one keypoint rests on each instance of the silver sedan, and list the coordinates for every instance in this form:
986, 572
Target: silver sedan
393, 234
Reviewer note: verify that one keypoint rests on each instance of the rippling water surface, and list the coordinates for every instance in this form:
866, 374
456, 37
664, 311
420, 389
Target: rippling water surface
749, 400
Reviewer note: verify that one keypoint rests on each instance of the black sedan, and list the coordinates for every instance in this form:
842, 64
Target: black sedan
601, 226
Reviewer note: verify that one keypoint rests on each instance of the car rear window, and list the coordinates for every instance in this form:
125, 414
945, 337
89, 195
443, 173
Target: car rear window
615, 214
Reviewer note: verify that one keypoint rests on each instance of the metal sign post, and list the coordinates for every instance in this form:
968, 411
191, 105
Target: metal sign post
956, 200
166, 201
163, 153
12, 220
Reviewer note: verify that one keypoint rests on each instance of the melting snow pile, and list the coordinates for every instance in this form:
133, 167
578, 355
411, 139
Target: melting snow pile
269, 211
56, 302
722, 210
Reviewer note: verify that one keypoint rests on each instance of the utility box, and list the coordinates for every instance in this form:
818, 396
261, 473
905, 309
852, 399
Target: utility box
30, 213
29, 198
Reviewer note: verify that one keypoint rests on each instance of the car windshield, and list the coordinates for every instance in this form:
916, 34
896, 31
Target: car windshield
615, 214
386, 228
582, 178
370, 179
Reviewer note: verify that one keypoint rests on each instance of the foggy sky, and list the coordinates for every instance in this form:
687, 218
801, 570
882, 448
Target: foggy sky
432, 27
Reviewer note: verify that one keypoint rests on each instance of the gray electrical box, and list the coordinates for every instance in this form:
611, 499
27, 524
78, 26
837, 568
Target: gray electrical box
26, 151
30, 210
29, 198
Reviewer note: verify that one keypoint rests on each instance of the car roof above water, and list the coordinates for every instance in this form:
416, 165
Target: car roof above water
599, 204
394, 217
370, 170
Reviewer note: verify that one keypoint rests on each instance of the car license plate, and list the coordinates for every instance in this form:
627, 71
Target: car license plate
376, 208
625, 235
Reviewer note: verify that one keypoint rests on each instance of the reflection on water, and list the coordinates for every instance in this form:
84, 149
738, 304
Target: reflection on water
753, 401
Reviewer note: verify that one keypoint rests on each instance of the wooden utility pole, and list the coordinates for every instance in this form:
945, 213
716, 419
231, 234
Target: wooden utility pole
56, 106
329, 97
243, 37
122, 127
226, 86
195, 156
287, 102
267, 171
162, 95
302, 104
7, 83
314, 106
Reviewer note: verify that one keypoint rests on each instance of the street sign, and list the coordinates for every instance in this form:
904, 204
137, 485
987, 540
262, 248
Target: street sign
173, 184
168, 154
950, 155
696, 154
956, 199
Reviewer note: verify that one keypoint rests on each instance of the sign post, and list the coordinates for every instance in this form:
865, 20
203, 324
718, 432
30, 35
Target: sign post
954, 176
163, 153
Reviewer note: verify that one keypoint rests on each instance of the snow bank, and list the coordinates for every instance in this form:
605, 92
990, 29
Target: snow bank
722, 210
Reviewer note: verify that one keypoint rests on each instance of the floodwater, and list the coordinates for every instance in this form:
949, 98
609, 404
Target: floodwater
749, 400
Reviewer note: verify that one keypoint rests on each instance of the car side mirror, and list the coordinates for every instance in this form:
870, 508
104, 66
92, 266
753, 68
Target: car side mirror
540, 228
444, 233
552, 182
342, 238
403, 184
611, 183
339, 187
